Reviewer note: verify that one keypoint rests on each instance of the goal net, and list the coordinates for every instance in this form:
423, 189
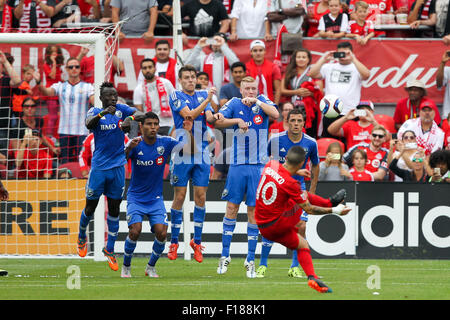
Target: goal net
41, 138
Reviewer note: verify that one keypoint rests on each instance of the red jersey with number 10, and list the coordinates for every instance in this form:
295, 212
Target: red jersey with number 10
277, 193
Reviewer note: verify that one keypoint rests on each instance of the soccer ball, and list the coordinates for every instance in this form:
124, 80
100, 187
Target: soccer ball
331, 106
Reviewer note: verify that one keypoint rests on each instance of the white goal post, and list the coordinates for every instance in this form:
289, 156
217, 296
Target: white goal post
97, 41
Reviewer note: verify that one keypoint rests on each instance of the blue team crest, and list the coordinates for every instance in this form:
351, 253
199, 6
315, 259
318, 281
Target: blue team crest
200, 99
118, 114
255, 109
160, 150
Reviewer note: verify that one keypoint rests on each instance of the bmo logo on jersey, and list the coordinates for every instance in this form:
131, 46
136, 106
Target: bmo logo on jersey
111, 126
158, 161
257, 120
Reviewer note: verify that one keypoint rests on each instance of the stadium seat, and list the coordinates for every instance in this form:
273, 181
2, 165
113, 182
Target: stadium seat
386, 121
74, 167
323, 143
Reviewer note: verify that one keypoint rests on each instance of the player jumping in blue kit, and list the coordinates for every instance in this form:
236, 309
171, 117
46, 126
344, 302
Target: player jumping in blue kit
148, 155
249, 119
194, 104
107, 175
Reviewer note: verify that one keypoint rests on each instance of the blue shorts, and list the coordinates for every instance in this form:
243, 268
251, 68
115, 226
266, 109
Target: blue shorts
242, 180
154, 210
109, 182
181, 173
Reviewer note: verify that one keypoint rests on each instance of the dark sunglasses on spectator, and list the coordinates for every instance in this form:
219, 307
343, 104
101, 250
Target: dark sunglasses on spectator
409, 138
71, 67
417, 160
381, 136
29, 105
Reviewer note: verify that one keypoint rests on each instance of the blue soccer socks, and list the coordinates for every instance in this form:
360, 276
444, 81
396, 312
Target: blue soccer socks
228, 229
130, 245
199, 218
266, 246
252, 236
176, 218
84, 221
157, 250
113, 231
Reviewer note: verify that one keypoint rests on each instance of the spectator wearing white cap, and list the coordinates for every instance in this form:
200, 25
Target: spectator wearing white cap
408, 108
355, 126
429, 136
442, 80
266, 73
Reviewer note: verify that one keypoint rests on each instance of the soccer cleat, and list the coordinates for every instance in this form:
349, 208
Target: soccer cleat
338, 197
111, 259
172, 254
151, 272
295, 272
126, 272
318, 285
82, 247
223, 265
250, 267
261, 271
198, 248
3, 273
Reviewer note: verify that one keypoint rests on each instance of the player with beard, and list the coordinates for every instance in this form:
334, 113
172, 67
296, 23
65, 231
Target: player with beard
152, 94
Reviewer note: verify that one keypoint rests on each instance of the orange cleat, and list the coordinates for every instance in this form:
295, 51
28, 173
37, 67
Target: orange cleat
172, 254
198, 248
82, 247
111, 260
318, 285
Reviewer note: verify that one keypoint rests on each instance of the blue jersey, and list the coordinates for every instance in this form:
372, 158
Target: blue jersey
178, 101
109, 138
279, 145
147, 165
249, 147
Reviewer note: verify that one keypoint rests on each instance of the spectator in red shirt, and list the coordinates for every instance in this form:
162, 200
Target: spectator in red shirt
377, 156
361, 29
408, 108
359, 171
356, 125
53, 62
31, 160
90, 9
266, 73
376, 7
87, 66
320, 9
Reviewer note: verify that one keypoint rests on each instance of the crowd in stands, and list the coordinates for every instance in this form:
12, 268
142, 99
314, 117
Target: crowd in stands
357, 145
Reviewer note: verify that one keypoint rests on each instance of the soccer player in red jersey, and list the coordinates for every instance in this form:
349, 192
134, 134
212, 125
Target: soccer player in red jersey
279, 204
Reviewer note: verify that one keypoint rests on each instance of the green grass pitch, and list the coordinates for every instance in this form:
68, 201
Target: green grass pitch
189, 280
